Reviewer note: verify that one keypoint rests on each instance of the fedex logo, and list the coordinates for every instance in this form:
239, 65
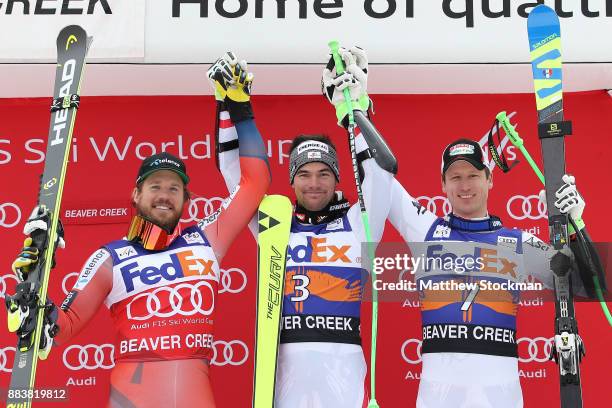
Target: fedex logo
317, 250
482, 259
181, 264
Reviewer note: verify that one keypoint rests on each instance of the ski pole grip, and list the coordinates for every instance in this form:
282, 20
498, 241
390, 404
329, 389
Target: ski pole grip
509, 129
334, 46
518, 142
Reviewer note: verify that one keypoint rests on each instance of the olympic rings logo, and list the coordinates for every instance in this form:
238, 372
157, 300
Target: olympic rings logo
200, 208
432, 203
65, 287
538, 349
155, 307
4, 359
412, 354
226, 280
89, 357
230, 356
3, 283
530, 207
6, 220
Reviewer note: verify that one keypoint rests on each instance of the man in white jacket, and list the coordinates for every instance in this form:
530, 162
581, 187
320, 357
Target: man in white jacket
321, 362
469, 350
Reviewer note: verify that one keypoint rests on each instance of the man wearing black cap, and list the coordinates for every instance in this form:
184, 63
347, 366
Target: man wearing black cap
160, 281
469, 348
165, 210
321, 362
464, 159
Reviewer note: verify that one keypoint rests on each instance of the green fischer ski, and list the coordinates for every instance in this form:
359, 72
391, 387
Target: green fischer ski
26, 307
274, 221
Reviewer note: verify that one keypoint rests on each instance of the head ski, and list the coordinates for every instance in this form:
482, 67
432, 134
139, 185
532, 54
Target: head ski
28, 303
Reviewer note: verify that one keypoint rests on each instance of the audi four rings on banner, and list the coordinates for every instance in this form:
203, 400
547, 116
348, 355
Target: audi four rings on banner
89, 356
538, 350
10, 215
201, 207
435, 204
526, 207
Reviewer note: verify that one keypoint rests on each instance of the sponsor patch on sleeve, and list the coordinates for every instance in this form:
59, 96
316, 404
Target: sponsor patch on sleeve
90, 268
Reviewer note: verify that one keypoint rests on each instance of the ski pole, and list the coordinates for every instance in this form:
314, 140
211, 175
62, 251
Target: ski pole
334, 47
518, 142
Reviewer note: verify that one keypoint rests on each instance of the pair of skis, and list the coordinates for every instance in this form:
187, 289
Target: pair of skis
27, 307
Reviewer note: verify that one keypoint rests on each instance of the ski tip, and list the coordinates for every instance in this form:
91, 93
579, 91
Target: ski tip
542, 26
69, 36
543, 13
541, 9
334, 45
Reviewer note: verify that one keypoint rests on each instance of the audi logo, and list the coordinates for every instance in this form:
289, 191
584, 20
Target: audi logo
10, 215
436, 204
526, 207
537, 349
234, 352
5, 359
174, 301
65, 287
4, 282
227, 280
201, 207
89, 357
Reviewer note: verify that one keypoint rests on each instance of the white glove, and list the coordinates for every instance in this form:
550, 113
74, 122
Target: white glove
356, 62
230, 77
355, 78
568, 200
38, 221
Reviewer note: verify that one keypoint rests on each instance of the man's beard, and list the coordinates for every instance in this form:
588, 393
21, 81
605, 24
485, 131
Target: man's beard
168, 225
